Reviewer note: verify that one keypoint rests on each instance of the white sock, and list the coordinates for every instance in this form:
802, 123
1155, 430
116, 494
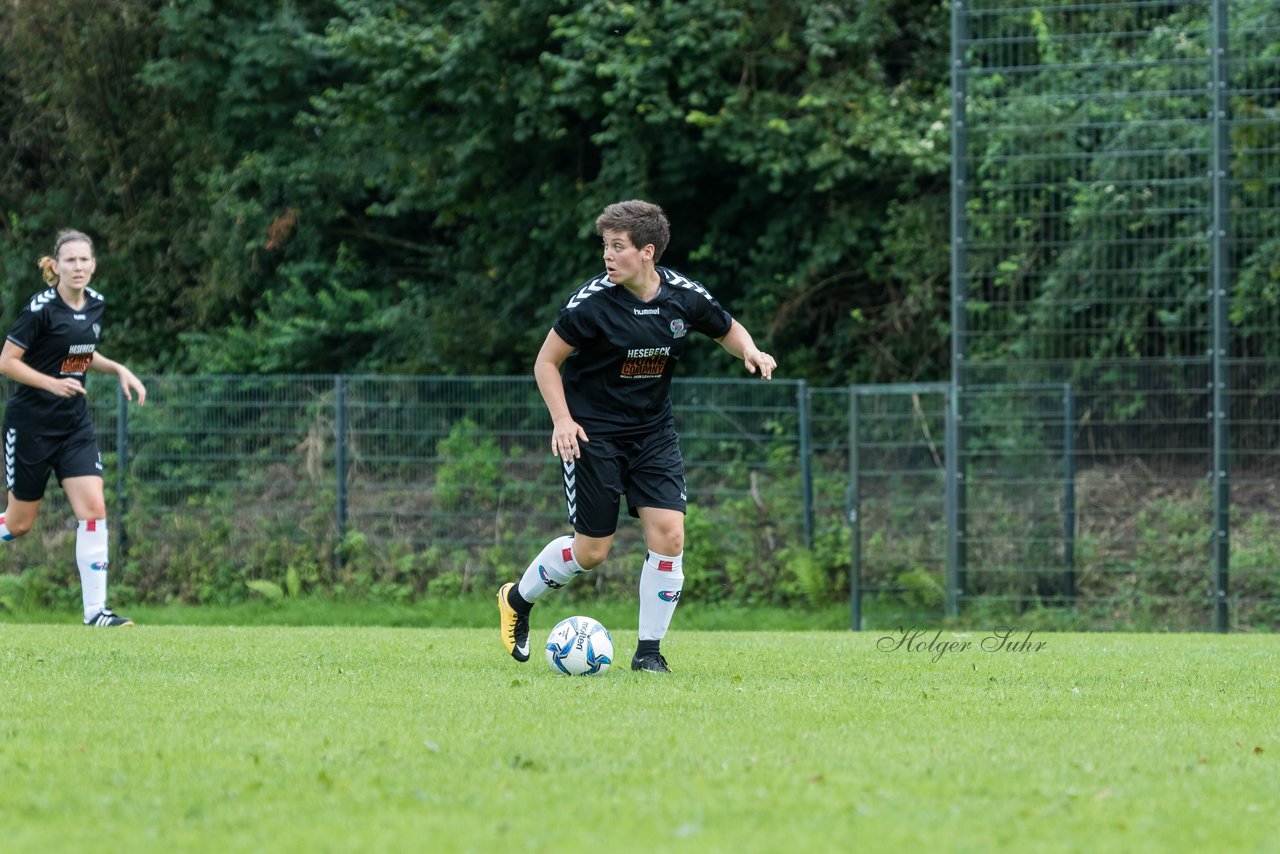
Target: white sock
4, 530
661, 580
554, 567
91, 558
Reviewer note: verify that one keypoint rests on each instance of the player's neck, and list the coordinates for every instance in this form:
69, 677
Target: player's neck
73, 297
648, 286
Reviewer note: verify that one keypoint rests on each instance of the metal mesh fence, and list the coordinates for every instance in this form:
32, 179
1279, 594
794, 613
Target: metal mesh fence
1118, 233
389, 484
897, 504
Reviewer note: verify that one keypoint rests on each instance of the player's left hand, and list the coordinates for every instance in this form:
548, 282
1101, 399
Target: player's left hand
760, 360
130, 385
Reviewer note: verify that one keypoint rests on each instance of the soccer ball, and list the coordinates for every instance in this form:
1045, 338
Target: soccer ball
579, 646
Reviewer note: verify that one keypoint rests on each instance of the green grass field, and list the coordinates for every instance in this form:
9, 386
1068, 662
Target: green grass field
262, 738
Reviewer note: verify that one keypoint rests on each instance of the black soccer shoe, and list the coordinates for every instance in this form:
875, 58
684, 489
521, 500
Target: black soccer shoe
107, 619
651, 662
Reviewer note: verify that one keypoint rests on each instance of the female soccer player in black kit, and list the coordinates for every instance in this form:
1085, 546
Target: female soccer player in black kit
49, 348
618, 339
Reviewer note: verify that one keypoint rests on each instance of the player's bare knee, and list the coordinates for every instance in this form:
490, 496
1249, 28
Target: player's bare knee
590, 556
667, 542
591, 561
19, 527
667, 546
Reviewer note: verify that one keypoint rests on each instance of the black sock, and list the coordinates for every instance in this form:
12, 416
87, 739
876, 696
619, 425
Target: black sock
646, 647
518, 603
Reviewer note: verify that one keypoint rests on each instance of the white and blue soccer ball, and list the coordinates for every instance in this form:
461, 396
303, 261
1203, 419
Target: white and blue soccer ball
579, 646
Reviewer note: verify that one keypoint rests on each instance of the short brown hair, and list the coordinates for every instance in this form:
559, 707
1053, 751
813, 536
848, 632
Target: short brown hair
644, 222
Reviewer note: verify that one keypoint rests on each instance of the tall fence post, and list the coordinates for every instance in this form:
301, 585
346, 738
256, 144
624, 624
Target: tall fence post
1069, 491
1218, 416
340, 452
955, 487
853, 498
122, 465
955, 501
806, 463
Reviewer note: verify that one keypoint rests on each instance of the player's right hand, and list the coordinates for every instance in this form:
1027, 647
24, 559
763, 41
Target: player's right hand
564, 439
66, 387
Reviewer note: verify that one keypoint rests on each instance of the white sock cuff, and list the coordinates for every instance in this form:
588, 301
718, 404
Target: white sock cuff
92, 526
673, 564
567, 555
558, 561
555, 566
91, 544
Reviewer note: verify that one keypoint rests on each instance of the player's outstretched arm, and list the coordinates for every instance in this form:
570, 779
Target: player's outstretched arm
129, 383
739, 343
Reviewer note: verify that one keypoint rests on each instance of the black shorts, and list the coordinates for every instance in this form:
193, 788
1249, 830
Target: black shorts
647, 469
30, 454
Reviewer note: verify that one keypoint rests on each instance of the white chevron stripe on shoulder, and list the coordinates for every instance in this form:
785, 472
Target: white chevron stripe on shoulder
679, 281
40, 300
91, 292
595, 286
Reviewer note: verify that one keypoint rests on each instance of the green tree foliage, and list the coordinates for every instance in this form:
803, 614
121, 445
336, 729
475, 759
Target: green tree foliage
88, 145
1093, 212
380, 186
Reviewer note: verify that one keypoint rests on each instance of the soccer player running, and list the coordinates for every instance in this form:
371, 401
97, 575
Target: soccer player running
605, 371
48, 349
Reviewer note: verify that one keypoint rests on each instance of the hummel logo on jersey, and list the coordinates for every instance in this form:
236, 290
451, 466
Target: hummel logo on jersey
570, 492
42, 299
681, 282
594, 286
10, 448
642, 311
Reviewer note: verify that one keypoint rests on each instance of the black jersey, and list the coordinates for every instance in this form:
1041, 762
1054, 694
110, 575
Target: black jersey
59, 341
617, 381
